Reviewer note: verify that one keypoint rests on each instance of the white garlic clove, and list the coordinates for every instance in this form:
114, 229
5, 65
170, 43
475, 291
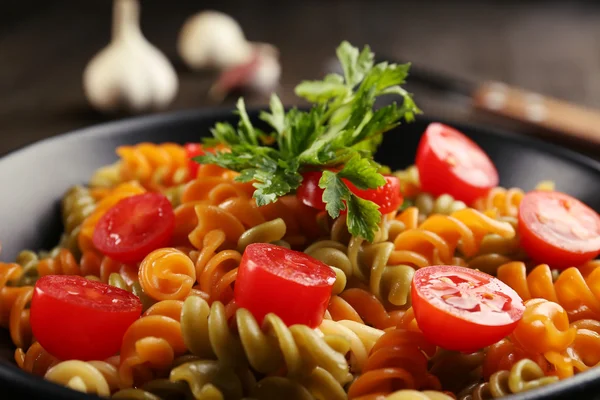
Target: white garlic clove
212, 39
129, 74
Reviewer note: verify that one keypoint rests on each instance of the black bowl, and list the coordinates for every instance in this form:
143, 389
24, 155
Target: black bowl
34, 179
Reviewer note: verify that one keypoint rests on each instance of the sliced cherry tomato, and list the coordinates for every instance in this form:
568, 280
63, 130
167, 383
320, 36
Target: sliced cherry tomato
193, 150
558, 230
290, 284
76, 318
134, 227
449, 162
387, 197
463, 309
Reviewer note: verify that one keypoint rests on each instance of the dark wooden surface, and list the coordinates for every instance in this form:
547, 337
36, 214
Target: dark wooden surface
550, 47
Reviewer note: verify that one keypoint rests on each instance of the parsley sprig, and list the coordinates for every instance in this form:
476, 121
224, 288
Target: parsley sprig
340, 132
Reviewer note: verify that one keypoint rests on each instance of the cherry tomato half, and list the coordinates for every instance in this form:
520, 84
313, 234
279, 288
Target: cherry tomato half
193, 150
290, 284
134, 227
387, 197
76, 318
463, 309
449, 162
557, 229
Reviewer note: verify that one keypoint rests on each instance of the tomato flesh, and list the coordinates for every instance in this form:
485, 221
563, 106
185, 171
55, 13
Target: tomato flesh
290, 284
76, 318
462, 309
449, 162
387, 197
134, 227
558, 230
193, 150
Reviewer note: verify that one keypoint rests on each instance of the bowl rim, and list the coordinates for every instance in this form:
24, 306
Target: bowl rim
46, 389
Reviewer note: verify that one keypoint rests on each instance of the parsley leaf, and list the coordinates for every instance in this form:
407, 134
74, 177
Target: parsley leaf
362, 172
341, 131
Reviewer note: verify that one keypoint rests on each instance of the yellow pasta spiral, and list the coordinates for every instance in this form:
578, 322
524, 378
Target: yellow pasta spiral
167, 274
154, 165
151, 343
436, 240
79, 375
579, 295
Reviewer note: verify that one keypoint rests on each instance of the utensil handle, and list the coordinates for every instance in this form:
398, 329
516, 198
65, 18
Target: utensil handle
563, 119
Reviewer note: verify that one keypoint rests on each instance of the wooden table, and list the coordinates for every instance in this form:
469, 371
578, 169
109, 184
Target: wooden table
552, 48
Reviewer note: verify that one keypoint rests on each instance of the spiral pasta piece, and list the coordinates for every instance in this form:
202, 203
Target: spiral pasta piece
361, 337
94, 265
578, 295
398, 360
582, 354
62, 264
504, 201
154, 166
115, 195
77, 204
544, 327
29, 260
523, 376
35, 360
105, 177
416, 395
167, 274
266, 349
436, 239
151, 344
209, 379
79, 375
443, 204
361, 306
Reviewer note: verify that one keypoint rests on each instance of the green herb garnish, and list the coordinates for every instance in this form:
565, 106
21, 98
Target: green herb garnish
340, 132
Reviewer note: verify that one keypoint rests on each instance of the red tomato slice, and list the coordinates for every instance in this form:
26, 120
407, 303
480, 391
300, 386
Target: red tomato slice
449, 162
290, 284
193, 150
387, 197
134, 227
558, 230
463, 309
76, 318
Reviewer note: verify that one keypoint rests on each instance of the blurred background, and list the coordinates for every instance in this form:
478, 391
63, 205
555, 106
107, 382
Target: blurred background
549, 47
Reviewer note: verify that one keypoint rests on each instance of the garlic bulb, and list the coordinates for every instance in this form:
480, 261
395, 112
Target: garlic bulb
129, 73
212, 39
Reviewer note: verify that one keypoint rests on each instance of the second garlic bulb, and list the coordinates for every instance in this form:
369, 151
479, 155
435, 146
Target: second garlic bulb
130, 73
212, 39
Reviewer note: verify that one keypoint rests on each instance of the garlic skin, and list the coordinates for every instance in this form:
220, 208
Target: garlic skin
212, 39
130, 73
